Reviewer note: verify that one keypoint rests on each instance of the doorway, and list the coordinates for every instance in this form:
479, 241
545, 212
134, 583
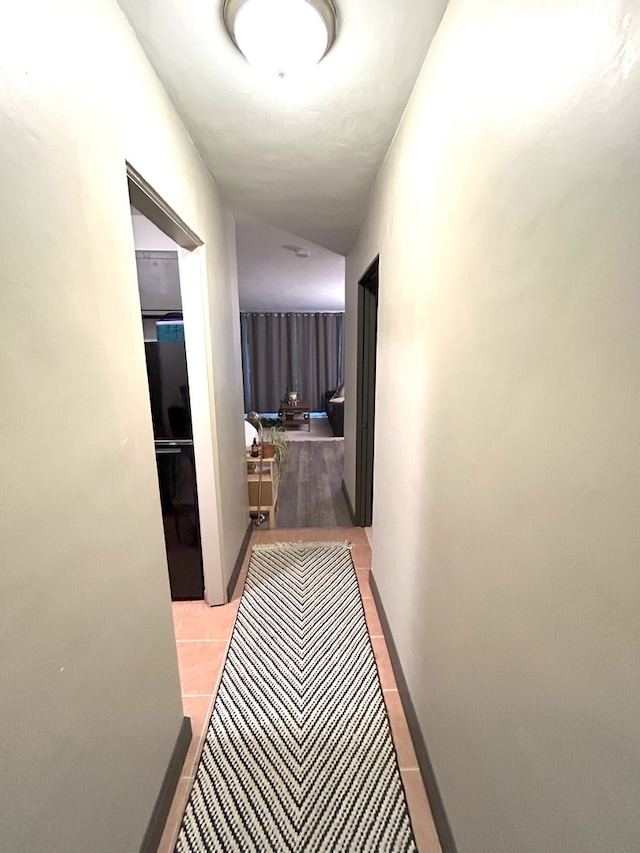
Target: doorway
189, 473
169, 393
366, 393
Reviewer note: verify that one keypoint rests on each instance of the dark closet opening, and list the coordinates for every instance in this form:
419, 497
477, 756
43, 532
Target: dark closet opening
366, 399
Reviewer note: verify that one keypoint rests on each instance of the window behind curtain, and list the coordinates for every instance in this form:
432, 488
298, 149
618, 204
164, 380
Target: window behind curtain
297, 351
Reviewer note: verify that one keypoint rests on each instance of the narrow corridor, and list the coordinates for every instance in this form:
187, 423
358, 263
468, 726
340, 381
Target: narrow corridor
203, 634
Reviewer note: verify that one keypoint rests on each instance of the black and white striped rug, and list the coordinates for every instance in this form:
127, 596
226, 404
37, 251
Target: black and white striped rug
298, 755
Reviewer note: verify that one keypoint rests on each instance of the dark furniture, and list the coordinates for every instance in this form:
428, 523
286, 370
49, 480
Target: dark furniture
335, 412
168, 391
295, 415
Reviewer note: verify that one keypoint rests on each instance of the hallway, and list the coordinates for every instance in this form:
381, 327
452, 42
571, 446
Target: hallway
502, 197
203, 635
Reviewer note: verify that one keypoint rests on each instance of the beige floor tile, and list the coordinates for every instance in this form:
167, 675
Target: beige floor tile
361, 556
307, 534
338, 534
400, 731
315, 534
239, 587
191, 759
423, 826
247, 557
355, 535
178, 609
200, 663
197, 708
201, 622
363, 582
371, 615
265, 536
284, 535
242, 575
383, 662
172, 826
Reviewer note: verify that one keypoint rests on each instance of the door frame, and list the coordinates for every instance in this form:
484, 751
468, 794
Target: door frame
193, 283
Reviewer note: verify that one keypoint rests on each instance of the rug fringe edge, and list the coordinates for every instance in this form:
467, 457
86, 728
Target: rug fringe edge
297, 546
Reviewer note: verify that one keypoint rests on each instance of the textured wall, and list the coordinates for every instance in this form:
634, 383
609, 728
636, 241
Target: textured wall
505, 536
90, 699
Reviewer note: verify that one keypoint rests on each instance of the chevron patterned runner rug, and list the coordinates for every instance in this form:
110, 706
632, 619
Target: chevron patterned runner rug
298, 756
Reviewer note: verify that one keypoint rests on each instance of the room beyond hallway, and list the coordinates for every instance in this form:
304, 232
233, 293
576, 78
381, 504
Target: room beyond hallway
203, 636
310, 493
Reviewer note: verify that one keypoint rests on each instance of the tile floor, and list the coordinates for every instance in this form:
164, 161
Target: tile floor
202, 639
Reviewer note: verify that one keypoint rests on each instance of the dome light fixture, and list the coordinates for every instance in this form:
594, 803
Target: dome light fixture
281, 36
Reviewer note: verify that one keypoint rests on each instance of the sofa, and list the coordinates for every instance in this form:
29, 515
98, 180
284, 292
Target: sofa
334, 407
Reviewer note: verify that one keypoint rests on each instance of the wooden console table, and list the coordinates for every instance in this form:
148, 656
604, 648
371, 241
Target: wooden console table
297, 415
263, 490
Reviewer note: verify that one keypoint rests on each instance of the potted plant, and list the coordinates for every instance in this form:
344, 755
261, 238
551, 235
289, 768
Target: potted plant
276, 444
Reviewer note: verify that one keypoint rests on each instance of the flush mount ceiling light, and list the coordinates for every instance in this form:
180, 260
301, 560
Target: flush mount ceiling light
298, 251
281, 36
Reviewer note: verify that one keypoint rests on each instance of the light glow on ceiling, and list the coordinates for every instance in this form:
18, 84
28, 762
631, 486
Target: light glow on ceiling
281, 37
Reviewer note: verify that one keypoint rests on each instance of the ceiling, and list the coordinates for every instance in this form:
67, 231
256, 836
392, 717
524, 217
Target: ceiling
272, 278
299, 155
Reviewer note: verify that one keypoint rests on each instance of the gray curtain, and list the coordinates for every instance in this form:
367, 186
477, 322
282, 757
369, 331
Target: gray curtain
296, 352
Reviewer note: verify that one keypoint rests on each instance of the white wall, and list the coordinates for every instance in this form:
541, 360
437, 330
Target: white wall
90, 700
148, 237
505, 537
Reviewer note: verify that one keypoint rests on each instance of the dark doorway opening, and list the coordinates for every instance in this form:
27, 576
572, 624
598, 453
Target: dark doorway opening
165, 344
366, 400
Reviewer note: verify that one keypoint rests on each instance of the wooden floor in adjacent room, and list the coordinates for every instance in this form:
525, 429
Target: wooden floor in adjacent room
310, 493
